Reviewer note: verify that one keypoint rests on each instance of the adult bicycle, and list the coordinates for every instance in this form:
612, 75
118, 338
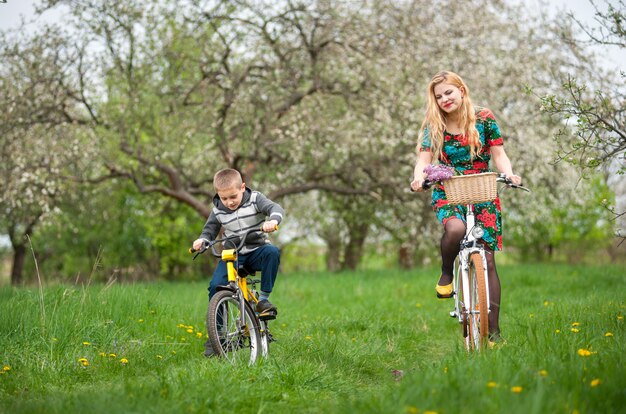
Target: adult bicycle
236, 331
471, 279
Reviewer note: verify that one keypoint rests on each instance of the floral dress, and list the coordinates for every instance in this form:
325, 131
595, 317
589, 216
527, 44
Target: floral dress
456, 154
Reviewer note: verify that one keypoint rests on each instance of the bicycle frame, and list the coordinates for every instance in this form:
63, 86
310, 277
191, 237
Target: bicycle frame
229, 256
469, 245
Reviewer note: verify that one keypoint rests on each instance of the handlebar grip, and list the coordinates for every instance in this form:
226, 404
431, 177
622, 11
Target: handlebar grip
425, 185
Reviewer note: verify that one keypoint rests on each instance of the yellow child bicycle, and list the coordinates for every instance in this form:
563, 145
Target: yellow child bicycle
236, 332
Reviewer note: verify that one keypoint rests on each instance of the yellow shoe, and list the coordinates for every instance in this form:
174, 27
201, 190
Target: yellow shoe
496, 341
444, 292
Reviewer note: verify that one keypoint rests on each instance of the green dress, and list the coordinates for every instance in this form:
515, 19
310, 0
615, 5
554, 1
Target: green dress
456, 154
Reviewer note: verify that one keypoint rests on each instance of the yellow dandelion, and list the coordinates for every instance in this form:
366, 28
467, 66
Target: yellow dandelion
492, 384
168, 337
102, 354
546, 303
584, 352
124, 361
608, 334
620, 318
113, 355
516, 389
159, 356
543, 373
183, 339
445, 370
180, 325
83, 362
430, 412
575, 330
86, 343
595, 382
190, 330
140, 320
199, 334
6, 368
576, 324
557, 331
412, 410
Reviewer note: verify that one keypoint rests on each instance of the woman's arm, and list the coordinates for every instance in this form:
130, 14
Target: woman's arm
503, 164
423, 160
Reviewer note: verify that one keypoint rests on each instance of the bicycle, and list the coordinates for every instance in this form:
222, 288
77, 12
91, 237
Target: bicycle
471, 281
235, 330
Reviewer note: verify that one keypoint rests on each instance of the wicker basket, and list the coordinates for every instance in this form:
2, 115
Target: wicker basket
471, 189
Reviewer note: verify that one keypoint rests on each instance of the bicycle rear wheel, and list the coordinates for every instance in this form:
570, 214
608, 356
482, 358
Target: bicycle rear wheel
233, 335
478, 315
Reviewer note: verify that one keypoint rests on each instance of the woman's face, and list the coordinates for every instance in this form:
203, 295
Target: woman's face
449, 97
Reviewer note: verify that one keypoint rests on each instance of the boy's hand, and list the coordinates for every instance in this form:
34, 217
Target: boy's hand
197, 245
269, 226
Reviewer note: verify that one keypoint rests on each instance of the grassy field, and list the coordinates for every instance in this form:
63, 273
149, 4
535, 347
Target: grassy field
376, 342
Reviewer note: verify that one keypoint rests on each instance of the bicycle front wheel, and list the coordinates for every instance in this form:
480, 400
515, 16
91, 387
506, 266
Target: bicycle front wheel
233, 334
478, 316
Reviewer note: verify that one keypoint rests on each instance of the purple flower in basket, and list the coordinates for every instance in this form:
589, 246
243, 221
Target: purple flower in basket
438, 172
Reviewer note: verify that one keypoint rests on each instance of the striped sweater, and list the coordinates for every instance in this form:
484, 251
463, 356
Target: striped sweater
251, 213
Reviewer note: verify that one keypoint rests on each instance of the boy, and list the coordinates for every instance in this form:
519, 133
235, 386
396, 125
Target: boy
237, 209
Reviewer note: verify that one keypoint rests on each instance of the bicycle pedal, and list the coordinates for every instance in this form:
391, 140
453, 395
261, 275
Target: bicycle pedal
267, 316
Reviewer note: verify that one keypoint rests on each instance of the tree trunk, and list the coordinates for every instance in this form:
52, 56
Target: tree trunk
406, 257
333, 250
17, 271
354, 248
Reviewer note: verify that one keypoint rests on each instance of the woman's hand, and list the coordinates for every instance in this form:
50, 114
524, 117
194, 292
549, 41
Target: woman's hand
416, 184
516, 179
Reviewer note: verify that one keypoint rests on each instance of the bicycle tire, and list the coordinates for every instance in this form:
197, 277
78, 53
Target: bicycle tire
265, 339
479, 316
229, 338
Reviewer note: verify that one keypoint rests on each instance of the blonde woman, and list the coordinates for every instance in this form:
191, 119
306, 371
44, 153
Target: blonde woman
460, 135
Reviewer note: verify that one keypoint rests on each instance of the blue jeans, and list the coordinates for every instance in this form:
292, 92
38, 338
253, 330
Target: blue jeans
265, 258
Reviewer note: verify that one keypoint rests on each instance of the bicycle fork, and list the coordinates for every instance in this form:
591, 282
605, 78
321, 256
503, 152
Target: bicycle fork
469, 246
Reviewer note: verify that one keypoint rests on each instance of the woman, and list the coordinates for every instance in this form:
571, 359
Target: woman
465, 137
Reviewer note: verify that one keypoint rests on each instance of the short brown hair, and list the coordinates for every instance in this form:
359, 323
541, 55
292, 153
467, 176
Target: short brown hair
227, 178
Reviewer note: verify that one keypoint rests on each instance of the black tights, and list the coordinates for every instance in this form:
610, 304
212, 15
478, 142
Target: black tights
454, 230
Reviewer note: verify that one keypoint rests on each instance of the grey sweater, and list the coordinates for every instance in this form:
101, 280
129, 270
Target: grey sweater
251, 213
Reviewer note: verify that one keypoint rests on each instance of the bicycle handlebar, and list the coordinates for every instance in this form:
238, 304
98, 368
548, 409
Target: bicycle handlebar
501, 178
209, 244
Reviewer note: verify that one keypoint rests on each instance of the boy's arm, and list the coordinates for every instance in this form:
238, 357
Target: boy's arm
271, 209
211, 228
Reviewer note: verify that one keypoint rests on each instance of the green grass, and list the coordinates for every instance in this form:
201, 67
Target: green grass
339, 340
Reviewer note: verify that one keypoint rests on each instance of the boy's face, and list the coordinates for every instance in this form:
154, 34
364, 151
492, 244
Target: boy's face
231, 196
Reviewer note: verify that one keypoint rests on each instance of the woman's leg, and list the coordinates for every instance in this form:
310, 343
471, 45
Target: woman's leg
453, 232
494, 292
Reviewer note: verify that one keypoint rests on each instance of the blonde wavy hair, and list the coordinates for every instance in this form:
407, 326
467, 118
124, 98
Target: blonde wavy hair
435, 117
